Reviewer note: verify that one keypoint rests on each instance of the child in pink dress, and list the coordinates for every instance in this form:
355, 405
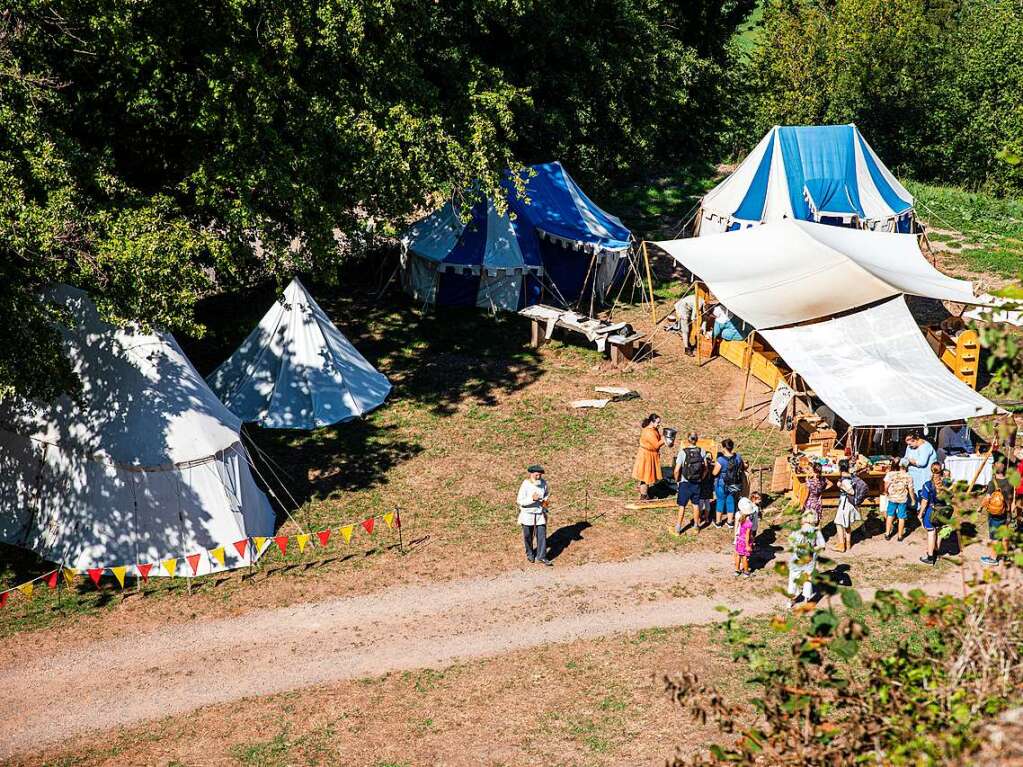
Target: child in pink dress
743, 542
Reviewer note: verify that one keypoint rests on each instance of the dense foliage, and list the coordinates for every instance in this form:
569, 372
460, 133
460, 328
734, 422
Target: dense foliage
153, 152
933, 84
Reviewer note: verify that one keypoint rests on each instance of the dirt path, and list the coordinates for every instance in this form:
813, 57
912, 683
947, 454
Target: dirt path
189, 665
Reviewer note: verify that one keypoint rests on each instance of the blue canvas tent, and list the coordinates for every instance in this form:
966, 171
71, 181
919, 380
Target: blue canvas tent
584, 248
823, 173
556, 246
491, 262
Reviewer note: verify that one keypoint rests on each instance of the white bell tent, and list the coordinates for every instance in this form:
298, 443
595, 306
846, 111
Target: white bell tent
144, 465
296, 370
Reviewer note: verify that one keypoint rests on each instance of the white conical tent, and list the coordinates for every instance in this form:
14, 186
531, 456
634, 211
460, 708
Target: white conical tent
145, 465
297, 371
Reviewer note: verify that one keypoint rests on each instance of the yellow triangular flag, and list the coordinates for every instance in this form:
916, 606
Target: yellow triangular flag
69, 576
171, 566
218, 554
27, 589
302, 540
389, 519
347, 531
258, 542
119, 573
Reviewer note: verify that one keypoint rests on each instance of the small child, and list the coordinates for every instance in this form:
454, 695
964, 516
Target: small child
707, 493
743, 538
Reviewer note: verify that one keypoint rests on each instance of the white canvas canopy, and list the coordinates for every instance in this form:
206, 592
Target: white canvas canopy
145, 465
787, 272
296, 370
874, 368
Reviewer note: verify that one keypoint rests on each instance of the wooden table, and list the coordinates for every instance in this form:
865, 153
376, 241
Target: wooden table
616, 339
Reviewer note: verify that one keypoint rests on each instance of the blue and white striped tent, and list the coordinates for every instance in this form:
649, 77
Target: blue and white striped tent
583, 247
823, 173
557, 240
491, 262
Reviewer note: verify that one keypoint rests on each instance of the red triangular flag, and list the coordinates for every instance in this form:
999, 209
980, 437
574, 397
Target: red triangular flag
143, 571
397, 518
282, 544
324, 536
95, 573
367, 524
3, 598
193, 561
241, 547
51, 579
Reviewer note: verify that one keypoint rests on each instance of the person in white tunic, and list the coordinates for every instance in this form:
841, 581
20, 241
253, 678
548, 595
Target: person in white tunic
532, 499
804, 545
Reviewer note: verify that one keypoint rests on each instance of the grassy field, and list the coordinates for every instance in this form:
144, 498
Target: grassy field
472, 406
984, 233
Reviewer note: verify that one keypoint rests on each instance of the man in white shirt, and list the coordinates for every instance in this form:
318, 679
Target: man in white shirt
685, 316
954, 439
532, 501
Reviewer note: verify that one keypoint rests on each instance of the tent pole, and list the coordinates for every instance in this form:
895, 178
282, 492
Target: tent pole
650, 283
749, 369
699, 326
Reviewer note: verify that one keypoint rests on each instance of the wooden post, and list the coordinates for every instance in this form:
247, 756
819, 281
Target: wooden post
650, 284
699, 325
749, 368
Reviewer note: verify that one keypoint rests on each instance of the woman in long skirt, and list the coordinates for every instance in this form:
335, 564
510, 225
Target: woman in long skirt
647, 468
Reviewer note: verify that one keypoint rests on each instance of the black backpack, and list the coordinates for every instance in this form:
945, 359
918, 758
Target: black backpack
693, 465
731, 476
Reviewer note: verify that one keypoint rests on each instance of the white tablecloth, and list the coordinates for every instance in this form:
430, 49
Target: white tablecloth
963, 467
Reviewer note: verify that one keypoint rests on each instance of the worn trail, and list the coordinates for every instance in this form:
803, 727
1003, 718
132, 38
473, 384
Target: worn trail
190, 665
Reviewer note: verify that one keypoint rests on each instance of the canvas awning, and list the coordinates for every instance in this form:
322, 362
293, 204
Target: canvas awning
874, 368
787, 272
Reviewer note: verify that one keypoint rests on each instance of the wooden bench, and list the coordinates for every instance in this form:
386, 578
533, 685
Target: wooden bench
615, 339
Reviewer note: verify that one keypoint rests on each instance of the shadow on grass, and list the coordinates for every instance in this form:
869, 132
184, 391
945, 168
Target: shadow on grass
436, 360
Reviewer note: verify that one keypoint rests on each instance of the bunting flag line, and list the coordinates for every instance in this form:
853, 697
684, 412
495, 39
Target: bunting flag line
218, 554
119, 572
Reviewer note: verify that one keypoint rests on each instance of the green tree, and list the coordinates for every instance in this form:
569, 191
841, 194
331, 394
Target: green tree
933, 84
153, 152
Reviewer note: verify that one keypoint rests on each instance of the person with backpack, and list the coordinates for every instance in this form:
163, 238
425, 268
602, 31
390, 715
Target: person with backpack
707, 490
901, 493
851, 492
728, 474
690, 468
927, 501
998, 505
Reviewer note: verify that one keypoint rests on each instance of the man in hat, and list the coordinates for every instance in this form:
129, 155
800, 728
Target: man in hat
532, 500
